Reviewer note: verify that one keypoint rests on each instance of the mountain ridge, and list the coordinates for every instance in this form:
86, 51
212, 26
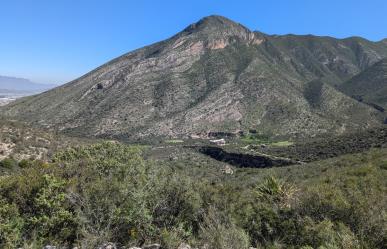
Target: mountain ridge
215, 75
21, 84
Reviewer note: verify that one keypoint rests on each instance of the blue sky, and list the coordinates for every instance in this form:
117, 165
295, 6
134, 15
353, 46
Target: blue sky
55, 41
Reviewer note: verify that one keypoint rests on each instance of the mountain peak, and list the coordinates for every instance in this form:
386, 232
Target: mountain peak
216, 22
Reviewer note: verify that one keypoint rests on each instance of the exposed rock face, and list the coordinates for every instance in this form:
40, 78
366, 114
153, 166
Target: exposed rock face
215, 75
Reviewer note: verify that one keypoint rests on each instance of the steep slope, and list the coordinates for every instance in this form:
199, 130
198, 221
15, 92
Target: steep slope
370, 86
215, 75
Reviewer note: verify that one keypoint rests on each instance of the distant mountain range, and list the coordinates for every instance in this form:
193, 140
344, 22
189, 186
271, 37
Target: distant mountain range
217, 75
20, 85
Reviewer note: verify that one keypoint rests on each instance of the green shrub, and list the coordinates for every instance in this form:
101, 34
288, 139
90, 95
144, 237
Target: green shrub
52, 217
216, 232
276, 192
382, 165
24, 163
117, 186
8, 163
326, 234
11, 225
173, 237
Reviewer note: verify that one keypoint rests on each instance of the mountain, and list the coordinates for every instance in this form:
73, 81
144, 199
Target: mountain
20, 85
215, 75
369, 86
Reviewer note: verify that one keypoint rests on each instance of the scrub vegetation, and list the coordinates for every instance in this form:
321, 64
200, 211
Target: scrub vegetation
91, 194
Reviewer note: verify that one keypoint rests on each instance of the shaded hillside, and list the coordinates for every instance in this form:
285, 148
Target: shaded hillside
215, 75
370, 86
309, 150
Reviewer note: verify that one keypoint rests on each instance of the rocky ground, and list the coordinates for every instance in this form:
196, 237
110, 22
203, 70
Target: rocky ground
19, 141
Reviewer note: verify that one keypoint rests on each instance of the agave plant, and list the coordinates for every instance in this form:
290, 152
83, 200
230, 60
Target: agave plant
276, 191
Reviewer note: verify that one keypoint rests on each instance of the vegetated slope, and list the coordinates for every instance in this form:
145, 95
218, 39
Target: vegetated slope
321, 148
19, 141
90, 195
215, 75
369, 86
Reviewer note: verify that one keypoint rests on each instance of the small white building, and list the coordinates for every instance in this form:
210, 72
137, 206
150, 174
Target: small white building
218, 141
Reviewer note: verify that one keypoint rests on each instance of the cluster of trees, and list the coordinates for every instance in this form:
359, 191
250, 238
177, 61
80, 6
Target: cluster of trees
107, 192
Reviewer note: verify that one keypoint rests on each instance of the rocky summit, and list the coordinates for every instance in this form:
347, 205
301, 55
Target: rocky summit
215, 75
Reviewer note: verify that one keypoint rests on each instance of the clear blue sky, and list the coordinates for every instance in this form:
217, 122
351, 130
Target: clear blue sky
59, 40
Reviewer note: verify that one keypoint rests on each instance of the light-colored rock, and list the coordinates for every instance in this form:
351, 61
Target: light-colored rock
152, 246
49, 247
6, 149
184, 246
108, 245
218, 141
228, 170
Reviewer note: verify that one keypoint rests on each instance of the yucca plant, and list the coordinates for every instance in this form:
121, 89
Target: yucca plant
276, 191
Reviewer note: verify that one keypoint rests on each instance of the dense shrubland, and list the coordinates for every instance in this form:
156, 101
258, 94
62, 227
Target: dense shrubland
107, 192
